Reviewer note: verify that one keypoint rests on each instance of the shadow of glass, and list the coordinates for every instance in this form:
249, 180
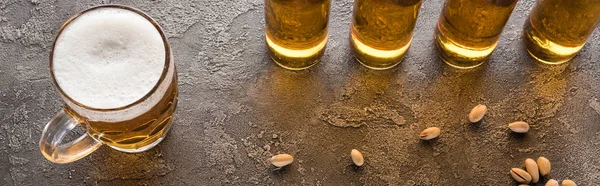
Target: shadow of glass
111, 164
367, 82
286, 98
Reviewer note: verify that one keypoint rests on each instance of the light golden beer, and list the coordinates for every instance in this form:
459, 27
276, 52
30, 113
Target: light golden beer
120, 80
468, 30
138, 133
114, 70
296, 31
557, 29
381, 31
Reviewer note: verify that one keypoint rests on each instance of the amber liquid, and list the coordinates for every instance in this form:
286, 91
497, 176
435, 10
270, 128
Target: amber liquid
296, 31
141, 132
381, 31
557, 29
469, 30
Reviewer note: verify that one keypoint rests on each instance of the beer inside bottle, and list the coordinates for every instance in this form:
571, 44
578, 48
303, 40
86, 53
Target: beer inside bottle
381, 31
557, 29
296, 31
468, 30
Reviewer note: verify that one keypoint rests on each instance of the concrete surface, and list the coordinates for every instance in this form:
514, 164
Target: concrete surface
237, 108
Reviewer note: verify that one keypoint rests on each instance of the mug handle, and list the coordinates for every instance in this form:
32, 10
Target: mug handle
55, 150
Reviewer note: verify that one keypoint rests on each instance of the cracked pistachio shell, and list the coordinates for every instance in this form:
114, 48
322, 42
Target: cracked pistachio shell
544, 166
552, 182
519, 127
357, 157
477, 113
281, 160
520, 175
532, 169
430, 133
568, 183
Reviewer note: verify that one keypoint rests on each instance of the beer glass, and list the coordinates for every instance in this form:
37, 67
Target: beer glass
296, 31
381, 31
134, 127
557, 29
468, 30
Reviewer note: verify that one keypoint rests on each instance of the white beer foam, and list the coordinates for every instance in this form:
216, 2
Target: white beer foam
108, 58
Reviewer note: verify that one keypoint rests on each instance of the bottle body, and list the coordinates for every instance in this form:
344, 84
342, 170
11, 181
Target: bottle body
381, 31
556, 30
296, 31
468, 30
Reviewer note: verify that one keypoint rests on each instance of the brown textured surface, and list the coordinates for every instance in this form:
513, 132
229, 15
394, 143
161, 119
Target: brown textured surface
237, 108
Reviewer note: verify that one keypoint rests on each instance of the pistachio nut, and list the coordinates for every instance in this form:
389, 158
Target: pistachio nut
568, 183
281, 160
519, 127
520, 175
477, 113
552, 182
544, 166
430, 133
357, 157
532, 169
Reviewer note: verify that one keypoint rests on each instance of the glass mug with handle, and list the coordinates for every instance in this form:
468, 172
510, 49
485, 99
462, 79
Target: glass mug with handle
114, 70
